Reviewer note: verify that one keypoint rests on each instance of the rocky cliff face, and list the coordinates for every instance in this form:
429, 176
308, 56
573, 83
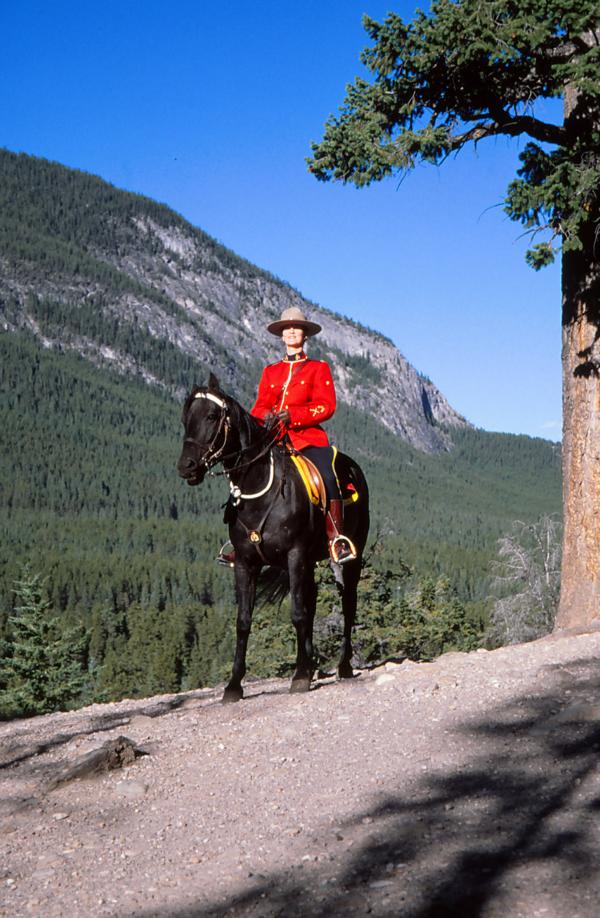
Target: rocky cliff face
167, 280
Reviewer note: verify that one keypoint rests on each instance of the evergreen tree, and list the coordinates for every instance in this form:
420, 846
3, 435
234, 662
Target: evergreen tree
469, 70
42, 670
272, 644
396, 618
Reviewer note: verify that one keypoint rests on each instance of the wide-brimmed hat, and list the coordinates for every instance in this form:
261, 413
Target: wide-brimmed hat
293, 316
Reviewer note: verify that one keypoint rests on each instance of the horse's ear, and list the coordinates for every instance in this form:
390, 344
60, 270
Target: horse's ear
213, 383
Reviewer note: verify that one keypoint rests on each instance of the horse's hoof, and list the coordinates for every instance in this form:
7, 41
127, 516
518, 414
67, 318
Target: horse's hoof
230, 695
299, 685
345, 671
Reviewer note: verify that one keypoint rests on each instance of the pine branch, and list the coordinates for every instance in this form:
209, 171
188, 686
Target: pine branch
512, 125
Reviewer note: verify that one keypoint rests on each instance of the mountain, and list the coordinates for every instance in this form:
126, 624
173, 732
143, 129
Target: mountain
128, 283
112, 308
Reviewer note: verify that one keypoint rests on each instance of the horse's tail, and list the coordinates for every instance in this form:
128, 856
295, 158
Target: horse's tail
273, 586
351, 470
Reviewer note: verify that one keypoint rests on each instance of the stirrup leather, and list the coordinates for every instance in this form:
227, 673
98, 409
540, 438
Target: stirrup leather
336, 544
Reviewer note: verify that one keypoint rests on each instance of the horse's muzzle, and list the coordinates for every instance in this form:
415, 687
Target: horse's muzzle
190, 471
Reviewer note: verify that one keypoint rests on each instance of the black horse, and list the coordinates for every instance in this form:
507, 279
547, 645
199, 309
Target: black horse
271, 521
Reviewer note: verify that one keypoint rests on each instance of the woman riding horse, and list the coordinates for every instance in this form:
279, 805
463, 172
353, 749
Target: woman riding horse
294, 395
272, 521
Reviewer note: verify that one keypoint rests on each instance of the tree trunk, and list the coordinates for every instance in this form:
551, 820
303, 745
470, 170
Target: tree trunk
580, 578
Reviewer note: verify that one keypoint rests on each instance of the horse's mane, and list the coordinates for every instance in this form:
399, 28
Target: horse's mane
248, 427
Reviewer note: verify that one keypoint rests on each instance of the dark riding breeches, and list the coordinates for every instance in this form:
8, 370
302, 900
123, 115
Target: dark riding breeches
322, 456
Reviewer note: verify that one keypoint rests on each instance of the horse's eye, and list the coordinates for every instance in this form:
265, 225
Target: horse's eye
213, 417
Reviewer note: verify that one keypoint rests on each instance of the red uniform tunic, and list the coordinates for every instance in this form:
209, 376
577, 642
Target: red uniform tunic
305, 388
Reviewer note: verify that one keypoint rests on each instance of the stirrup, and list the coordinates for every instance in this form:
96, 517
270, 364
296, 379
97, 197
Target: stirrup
342, 549
226, 558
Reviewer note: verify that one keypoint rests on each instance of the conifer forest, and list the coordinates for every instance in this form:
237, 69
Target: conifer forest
108, 586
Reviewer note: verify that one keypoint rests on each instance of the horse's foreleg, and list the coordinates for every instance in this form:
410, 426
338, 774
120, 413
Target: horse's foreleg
351, 576
245, 583
302, 619
310, 598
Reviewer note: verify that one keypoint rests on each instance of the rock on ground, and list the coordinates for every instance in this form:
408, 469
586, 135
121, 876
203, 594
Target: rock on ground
467, 786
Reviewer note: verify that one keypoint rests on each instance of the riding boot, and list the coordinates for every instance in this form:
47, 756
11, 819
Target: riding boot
341, 548
226, 558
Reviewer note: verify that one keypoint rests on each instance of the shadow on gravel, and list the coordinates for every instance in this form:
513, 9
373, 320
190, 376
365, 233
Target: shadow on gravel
518, 816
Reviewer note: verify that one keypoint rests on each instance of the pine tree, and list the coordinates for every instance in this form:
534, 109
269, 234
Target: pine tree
467, 71
42, 670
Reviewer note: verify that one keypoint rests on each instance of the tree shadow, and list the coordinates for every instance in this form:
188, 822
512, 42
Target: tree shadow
513, 823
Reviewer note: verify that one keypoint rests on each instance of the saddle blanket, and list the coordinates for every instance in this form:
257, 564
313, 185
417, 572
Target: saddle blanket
313, 482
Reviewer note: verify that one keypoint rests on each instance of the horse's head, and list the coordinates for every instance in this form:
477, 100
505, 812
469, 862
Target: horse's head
206, 422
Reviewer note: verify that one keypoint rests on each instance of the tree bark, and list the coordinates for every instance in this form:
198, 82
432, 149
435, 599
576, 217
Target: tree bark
580, 578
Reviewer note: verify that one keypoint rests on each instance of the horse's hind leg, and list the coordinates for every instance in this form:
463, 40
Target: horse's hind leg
310, 598
301, 574
245, 583
351, 576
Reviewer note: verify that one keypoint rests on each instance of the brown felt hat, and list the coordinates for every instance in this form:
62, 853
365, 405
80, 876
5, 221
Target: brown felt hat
293, 316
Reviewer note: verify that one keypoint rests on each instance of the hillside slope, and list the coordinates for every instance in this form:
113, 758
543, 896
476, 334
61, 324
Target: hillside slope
92, 502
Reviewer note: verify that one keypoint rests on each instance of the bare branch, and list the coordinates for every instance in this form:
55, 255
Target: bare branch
527, 571
519, 124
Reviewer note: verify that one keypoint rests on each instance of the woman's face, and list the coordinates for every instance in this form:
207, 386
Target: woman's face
293, 337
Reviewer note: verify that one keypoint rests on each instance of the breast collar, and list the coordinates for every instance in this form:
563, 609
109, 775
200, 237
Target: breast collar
294, 358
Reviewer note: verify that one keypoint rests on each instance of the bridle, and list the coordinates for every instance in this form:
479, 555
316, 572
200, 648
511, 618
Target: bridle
213, 456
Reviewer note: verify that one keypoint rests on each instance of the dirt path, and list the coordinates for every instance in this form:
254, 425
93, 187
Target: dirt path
468, 786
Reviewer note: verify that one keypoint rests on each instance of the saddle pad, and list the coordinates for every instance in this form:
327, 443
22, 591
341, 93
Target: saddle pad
313, 482
311, 478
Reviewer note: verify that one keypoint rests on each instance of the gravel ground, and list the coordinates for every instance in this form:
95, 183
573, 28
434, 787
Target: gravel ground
467, 786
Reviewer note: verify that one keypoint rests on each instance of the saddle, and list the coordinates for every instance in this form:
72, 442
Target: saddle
313, 481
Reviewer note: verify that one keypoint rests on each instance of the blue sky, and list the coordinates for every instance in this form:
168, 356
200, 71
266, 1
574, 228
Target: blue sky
211, 108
